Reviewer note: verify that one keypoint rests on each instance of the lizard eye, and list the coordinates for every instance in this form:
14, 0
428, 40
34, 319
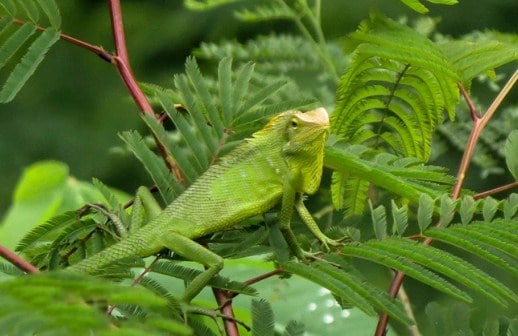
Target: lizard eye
294, 123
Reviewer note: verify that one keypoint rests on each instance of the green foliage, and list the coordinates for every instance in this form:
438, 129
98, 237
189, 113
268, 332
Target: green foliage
395, 90
392, 102
405, 177
55, 303
262, 318
15, 36
479, 54
510, 150
420, 8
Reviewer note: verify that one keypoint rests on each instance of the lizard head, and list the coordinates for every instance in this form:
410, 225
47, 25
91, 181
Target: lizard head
305, 136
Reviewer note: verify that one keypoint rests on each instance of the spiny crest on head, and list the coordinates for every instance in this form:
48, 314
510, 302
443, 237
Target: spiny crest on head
273, 121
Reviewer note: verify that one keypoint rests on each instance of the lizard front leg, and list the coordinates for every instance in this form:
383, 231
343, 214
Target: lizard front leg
312, 225
287, 205
191, 250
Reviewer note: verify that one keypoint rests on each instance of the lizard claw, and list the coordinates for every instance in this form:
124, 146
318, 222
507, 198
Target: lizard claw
331, 242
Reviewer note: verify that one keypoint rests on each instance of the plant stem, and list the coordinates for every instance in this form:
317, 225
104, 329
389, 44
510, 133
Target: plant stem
495, 190
17, 261
122, 61
478, 125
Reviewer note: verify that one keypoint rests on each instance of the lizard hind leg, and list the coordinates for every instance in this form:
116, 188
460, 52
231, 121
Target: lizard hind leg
191, 250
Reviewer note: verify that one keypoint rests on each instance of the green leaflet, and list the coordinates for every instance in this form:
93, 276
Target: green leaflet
17, 40
511, 156
483, 246
29, 62
169, 188
263, 323
417, 6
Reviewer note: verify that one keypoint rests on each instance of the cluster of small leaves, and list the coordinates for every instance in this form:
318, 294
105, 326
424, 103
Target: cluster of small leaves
280, 10
444, 210
19, 33
55, 303
486, 229
288, 57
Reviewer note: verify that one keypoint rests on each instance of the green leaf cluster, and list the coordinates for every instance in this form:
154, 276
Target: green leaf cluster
50, 302
20, 34
391, 105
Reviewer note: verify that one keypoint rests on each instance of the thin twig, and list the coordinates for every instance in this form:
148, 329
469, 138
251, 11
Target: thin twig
224, 300
85, 45
122, 60
495, 190
17, 261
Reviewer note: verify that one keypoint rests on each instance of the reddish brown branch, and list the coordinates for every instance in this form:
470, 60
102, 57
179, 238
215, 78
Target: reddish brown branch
224, 300
17, 261
90, 47
122, 59
496, 190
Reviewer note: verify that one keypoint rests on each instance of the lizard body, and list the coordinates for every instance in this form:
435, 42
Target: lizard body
276, 165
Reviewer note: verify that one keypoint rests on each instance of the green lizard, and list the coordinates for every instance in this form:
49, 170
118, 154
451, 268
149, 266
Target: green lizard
278, 164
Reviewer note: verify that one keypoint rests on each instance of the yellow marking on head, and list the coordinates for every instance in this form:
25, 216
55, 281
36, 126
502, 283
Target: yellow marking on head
317, 116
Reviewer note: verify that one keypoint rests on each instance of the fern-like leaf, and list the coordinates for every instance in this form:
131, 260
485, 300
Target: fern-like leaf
46, 231
29, 62
30, 11
479, 245
379, 221
402, 177
266, 13
51, 10
350, 288
399, 218
378, 253
54, 303
156, 168
449, 265
478, 55
206, 4
263, 323
395, 90
511, 148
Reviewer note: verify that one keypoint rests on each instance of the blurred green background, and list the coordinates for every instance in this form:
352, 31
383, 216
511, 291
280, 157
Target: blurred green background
75, 104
